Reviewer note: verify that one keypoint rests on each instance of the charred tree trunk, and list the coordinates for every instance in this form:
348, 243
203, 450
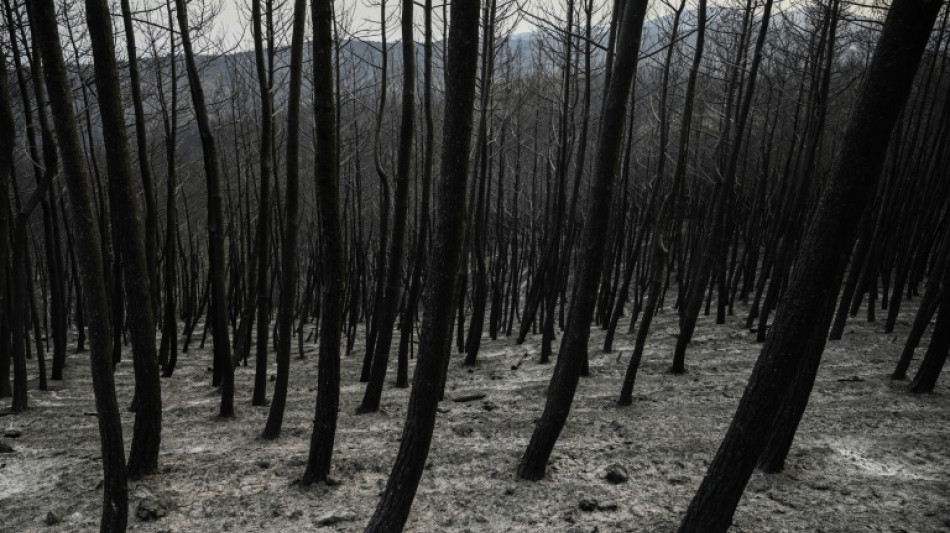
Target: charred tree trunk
607, 157
218, 310
442, 268
806, 312
146, 435
334, 260
89, 255
386, 313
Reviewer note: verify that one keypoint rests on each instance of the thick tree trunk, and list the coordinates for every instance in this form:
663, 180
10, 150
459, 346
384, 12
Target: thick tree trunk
146, 436
443, 262
89, 256
334, 260
806, 312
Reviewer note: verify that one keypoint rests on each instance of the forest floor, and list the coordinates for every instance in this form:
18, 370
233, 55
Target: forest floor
868, 456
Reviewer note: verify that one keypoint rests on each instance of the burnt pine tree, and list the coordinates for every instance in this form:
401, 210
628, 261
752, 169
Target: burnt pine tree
218, 316
442, 269
7, 145
145, 169
146, 435
262, 238
288, 257
666, 217
574, 344
328, 190
936, 355
806, 312
388, 305
82, 220
168, 348
418, 263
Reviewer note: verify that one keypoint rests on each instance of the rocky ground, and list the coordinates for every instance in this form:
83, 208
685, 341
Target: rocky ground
868, 456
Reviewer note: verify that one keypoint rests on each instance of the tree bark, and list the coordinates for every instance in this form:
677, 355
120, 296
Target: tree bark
334, 255
146, 435
89, 256
442, 269
574, 343
218, 311
806, 312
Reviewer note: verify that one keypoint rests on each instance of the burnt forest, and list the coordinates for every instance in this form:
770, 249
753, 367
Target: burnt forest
384, 266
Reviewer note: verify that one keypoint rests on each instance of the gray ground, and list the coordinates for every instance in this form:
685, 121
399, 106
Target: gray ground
868, 456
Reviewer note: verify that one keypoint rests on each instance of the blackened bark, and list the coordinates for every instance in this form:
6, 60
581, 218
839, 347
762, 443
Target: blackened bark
146, 436
288, 257
387, 306
442, 269
607, 157
334, 260
926, 377
218, 309
145, 169
89, 256
263, 237
806, 312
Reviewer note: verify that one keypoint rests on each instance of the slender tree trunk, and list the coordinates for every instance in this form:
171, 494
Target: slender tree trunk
218, 312
926, 377
415, 287
443, 263
388, 305
89, 255
334, 260
574, 343
145, 169
288, 258
262, 238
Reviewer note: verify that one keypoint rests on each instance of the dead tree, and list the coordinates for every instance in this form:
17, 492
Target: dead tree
218, 315
574, 344
442, 269
334, 255
803, 318
386, 313
83, 221
146, 435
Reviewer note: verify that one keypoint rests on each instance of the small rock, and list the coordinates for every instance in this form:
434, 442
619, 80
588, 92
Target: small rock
471, 397
489, 406
53, 518
149, 510
334, 517
263, 464
462, 431
759, 484
607, 506
616, 474
5, 448
587, 505
13, 433
296, 514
